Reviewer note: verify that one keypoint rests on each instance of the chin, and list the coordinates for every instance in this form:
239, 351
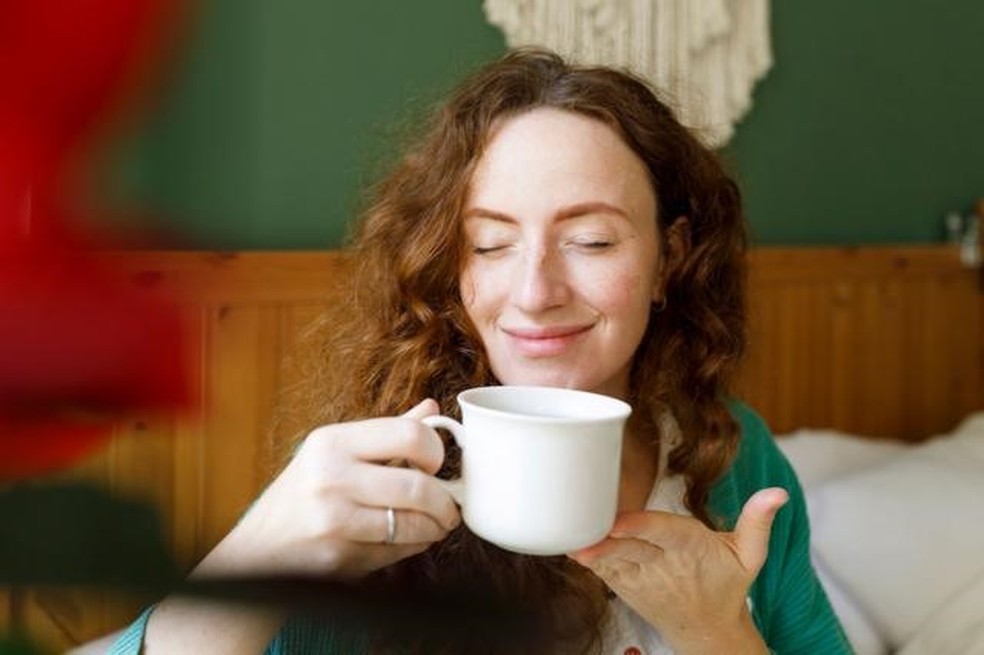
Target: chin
551, 379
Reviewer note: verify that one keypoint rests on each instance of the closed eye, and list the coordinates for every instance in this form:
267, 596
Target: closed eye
487, 250
594, 244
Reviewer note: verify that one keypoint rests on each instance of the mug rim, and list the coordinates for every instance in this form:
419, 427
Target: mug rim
616, 408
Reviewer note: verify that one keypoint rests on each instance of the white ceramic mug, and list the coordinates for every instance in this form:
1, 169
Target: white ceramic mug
540, 465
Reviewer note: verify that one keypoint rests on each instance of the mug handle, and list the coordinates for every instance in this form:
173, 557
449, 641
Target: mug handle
454, 487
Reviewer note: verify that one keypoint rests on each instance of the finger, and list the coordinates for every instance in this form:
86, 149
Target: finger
394, 552
408, 527
404, 488
426, 407
370, 525
636, 551
372, 557
619, 562
423, 409
754, 526
384, 439
661, 528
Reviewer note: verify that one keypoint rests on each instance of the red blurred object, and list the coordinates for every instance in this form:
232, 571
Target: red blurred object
78, 347
76, 344
31, 447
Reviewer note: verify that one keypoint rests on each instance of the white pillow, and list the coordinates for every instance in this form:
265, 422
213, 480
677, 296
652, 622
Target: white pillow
904, 537
818, 455
864, 637
973, 424
955, 629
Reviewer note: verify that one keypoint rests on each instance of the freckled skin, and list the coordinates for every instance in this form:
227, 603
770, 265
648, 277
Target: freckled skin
561, 226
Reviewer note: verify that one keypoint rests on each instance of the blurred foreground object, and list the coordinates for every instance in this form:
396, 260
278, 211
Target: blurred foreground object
76, 346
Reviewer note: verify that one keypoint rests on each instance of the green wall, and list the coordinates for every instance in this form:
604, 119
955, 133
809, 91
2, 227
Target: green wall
868, 129
277, 112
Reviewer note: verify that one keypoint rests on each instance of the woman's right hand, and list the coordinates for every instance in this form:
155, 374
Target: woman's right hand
326, 513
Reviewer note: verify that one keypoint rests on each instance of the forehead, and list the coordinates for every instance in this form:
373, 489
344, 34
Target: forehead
548, 150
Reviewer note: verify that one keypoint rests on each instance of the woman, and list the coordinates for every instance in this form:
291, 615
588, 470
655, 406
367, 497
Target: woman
555, 226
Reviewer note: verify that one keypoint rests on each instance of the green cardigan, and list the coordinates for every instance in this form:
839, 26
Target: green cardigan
788, 604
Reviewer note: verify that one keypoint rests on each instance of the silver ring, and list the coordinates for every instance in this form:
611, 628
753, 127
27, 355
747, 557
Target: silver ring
390, 525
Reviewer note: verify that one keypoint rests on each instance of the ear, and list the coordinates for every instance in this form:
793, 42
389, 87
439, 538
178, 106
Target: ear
674, 246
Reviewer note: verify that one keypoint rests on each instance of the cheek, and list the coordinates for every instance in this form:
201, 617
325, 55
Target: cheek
621, 292
466, 290
477, 293
626, 305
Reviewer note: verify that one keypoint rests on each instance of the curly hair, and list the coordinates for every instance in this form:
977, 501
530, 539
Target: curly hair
404, 334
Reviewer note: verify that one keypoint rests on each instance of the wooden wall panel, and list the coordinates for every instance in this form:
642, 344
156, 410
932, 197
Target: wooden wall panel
876, 341
242, 365
880, 341
183, 517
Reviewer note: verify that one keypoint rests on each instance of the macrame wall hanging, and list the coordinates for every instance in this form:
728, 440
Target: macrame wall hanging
705, 56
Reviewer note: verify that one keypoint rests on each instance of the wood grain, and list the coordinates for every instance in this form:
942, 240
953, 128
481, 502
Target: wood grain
877, 341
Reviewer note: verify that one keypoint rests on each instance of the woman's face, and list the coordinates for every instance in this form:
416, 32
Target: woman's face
563, 258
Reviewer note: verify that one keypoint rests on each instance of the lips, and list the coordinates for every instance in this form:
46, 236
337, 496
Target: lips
545, 341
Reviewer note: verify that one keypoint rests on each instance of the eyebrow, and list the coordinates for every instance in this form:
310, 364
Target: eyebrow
571, 211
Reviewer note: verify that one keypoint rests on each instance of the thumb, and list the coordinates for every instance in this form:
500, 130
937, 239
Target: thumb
755, 526
426, 407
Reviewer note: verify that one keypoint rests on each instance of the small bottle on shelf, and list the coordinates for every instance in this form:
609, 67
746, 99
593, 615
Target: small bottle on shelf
970, 243
953, 224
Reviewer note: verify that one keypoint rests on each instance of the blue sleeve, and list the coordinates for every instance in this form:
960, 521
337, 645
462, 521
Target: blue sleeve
318, 636
131, 641
299, 636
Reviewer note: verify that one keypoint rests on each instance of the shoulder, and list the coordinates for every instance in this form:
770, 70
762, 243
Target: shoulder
756, 447
757, 464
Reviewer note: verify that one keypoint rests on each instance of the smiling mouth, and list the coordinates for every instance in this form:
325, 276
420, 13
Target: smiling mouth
545, 342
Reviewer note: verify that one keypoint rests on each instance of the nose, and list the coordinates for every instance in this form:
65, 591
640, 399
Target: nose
540, 280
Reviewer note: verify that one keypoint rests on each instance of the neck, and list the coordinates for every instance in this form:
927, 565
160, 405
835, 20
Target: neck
640, 465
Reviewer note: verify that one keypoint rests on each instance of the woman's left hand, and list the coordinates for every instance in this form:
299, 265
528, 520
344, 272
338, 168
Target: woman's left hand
686, 580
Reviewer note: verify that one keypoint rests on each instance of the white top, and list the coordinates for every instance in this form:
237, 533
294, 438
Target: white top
627, 633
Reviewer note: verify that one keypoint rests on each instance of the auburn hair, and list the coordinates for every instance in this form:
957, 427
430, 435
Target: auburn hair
403, 334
